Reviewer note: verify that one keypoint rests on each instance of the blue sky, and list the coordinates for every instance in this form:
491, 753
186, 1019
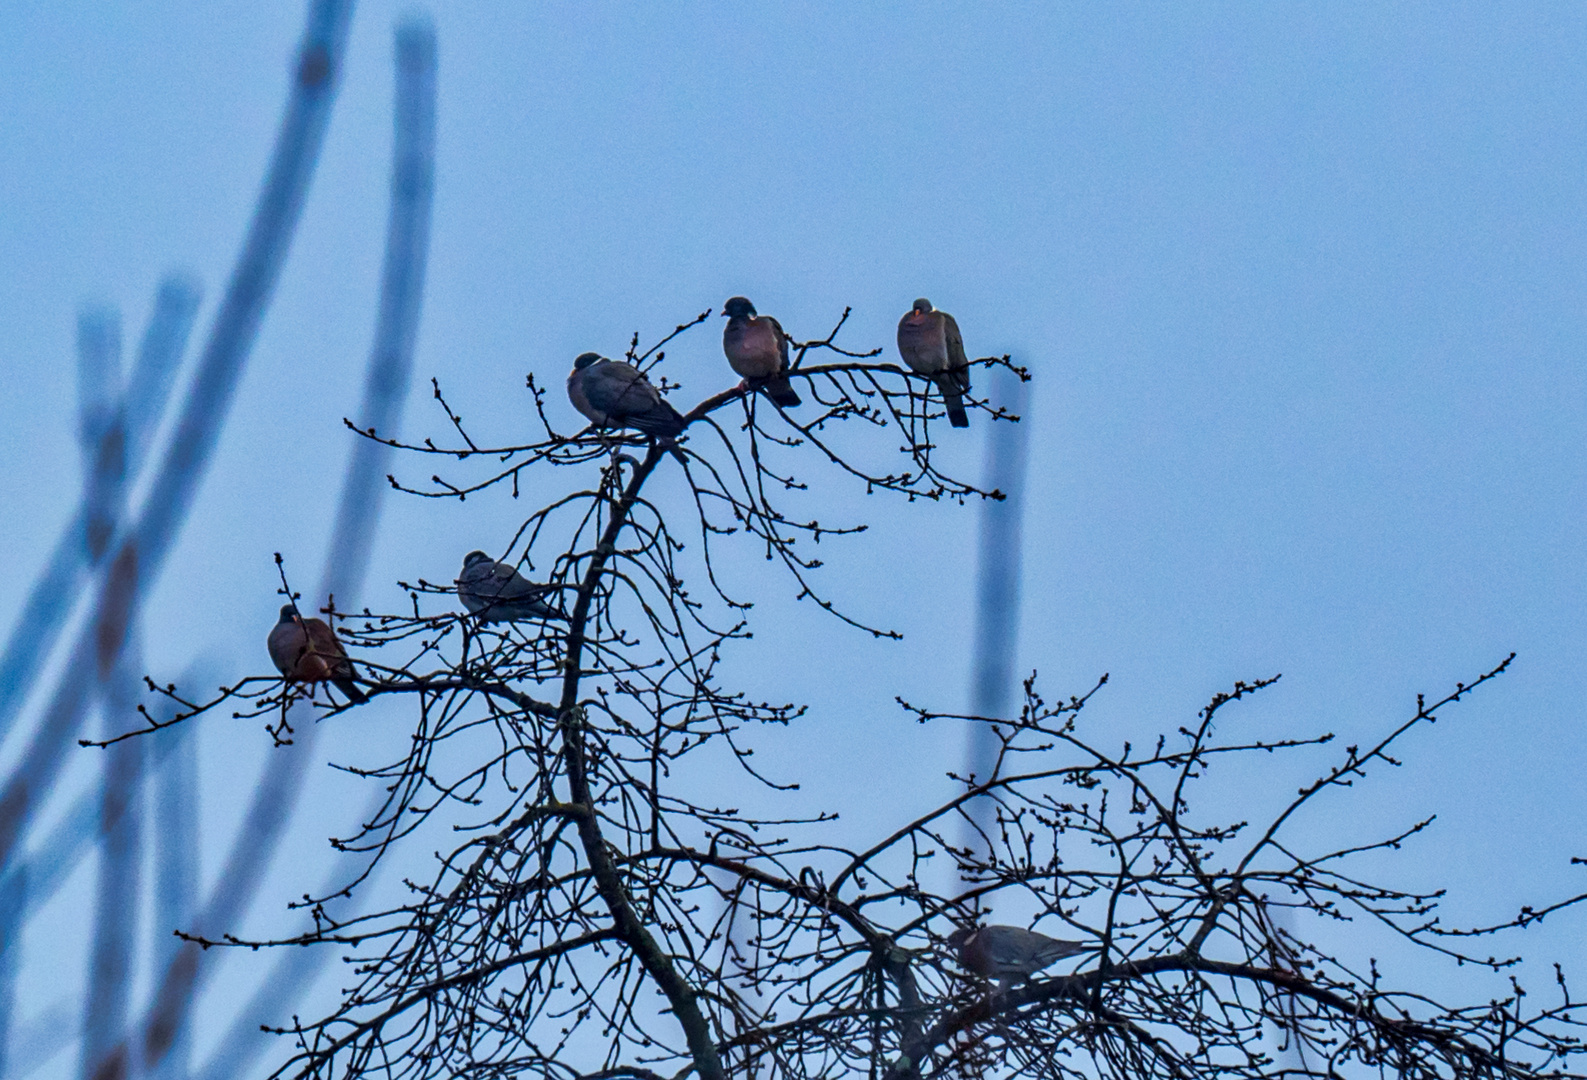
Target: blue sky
1303, 288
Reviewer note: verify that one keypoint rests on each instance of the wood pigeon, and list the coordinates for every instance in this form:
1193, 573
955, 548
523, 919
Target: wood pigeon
757, 349
614, 394
1009, 953
499, 593
930, 343
308, 651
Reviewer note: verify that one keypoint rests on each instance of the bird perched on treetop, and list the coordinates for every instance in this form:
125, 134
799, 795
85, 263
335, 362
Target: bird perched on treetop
930, 343
1009, 953
757, 349
308, 651
614, 394
500, 593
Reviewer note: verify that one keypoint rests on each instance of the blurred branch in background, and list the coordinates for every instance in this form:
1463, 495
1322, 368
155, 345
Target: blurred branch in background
142, 548
120, 429
101, 423
993, 682
385, 389
44, 868
13, 901
102, 417
57, 588
176, 866
117, 884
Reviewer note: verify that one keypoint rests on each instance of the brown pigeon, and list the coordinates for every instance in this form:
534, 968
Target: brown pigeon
307, 651
611, 393
930, 343
757, 349
1008, 953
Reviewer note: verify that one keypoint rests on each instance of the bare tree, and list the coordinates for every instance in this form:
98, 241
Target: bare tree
598, 916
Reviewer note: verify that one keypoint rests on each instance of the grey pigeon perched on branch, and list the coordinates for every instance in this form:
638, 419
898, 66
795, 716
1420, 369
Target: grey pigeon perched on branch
930, 343
614, 394
499, 593
757, 349
1009, 953
308, 651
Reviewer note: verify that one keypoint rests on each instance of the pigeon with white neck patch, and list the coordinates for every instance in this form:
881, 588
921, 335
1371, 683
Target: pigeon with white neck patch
930, 343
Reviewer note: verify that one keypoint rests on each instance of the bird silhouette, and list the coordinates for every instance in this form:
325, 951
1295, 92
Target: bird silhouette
611, 393
930, 343
1009, 953
308, 651
757, 349
499, 593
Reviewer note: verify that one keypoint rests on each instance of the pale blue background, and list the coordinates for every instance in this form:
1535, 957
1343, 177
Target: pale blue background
1302, 286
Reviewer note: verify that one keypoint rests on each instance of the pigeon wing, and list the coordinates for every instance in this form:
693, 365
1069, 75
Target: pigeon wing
953, 378
1014, 951
640, 406
958, 363
603, 391
778, 387
326, 647
516, 596
782, 341
504, 594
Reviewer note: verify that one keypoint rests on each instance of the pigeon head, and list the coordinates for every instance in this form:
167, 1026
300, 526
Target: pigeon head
586, 359
923, 305
738, 307
473, 557
957, 939
288, 613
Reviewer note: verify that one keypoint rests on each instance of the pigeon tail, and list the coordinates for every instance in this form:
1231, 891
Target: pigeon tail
660, 421
953, 400
781, 393
350, 688
519, 610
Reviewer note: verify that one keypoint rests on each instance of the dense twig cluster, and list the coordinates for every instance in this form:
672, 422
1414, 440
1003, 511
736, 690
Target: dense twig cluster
599, 919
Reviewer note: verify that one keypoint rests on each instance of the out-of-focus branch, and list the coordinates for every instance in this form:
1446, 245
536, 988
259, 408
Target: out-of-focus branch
140, 553
55, 591
358, 512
